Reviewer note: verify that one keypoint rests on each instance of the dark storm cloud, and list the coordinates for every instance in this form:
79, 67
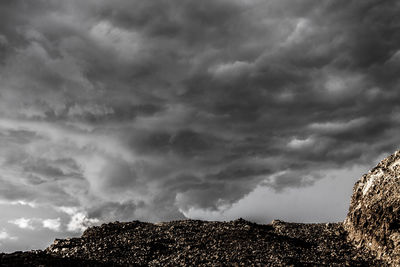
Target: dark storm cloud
147, 109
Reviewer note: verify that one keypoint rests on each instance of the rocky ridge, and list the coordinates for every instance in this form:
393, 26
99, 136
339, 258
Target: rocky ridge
368, 237
199, 243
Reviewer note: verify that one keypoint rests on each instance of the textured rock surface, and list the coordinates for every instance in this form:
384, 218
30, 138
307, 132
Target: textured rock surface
373, 220
41, 258
198, 243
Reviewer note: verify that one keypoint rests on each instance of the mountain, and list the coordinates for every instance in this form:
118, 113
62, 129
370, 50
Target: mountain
368, 237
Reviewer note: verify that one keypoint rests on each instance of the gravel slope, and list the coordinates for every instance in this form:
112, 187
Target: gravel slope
199, 243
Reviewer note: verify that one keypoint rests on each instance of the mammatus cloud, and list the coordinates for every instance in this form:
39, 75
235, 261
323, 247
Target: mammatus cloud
151, 110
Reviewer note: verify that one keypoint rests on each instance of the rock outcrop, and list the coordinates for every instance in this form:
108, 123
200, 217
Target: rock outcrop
373, 220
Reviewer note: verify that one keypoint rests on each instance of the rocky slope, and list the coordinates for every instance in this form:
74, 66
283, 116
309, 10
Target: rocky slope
368, 237
198, 243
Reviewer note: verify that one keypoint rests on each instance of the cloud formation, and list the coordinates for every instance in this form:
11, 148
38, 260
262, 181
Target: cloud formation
23, 223
4, 236
52, 224
149, 110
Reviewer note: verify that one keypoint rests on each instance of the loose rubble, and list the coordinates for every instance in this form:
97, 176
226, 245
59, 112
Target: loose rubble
199, 243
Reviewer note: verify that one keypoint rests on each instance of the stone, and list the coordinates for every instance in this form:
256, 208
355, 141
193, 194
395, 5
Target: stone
373, 220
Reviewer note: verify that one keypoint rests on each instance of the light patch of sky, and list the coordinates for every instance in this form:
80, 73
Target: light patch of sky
326, 201
296, 143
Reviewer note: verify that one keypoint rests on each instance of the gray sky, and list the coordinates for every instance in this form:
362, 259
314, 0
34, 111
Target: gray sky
212, 109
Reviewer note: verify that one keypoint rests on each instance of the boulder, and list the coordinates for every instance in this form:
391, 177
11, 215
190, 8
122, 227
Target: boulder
373, 220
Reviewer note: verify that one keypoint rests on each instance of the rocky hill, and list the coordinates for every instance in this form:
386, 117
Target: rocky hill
368, 237
199, 243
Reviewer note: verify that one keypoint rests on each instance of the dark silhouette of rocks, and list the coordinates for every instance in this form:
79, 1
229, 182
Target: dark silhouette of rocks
42, 258
198, 243
368, 237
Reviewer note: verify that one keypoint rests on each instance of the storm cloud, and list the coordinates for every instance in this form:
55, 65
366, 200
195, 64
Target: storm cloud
155, 110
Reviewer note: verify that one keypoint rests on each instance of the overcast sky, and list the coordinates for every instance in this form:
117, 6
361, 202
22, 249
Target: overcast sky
211, 109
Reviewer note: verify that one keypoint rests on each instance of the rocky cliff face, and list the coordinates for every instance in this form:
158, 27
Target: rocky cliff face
373, 220
370, 236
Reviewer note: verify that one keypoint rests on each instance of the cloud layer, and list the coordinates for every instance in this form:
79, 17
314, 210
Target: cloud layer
121, 110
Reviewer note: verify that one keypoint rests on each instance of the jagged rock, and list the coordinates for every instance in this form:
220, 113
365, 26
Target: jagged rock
373, 220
